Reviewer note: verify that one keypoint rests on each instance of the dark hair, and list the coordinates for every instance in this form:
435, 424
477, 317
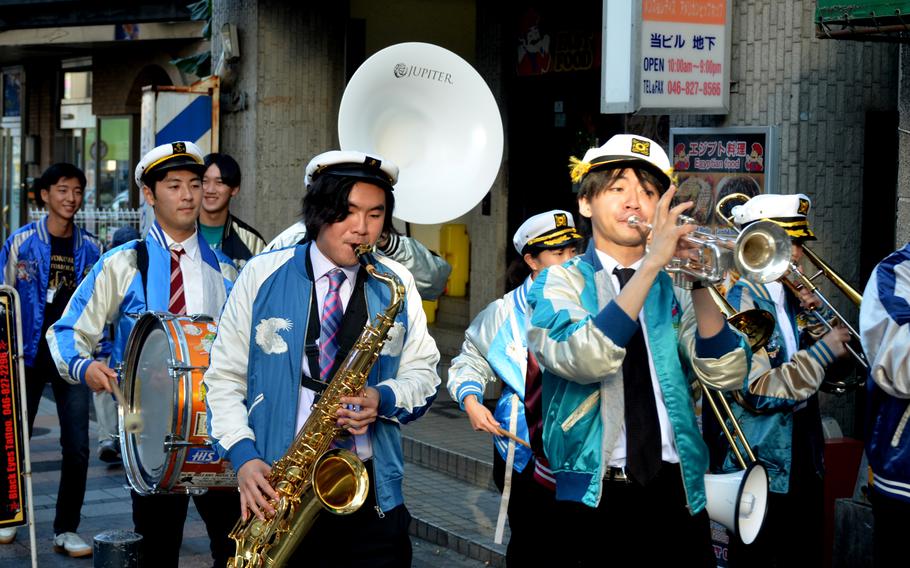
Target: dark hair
517, 272
598, 180
230, 169
54, 173
326, 202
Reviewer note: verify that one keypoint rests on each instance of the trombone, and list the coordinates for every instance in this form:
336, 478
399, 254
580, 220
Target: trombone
723, 210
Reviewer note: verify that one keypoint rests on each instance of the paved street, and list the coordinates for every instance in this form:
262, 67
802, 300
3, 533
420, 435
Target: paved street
107, 506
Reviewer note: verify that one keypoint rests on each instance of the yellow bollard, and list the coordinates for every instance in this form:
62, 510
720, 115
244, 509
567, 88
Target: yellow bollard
429, 308
455, 247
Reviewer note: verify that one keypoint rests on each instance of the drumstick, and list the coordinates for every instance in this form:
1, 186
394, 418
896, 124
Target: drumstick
132, 422
513, 437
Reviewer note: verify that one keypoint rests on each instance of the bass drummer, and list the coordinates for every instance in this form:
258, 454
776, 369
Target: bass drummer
172, 270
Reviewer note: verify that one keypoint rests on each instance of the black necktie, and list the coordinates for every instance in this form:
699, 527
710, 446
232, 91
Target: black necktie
643, 447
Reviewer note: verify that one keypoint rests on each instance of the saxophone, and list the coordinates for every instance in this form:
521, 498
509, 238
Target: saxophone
310, 476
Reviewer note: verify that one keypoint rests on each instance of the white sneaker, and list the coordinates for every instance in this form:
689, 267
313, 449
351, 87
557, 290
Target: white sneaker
72, 544
7, 535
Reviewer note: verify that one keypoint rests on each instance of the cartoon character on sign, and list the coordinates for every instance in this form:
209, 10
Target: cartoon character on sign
680, 157
754, 161
533, 47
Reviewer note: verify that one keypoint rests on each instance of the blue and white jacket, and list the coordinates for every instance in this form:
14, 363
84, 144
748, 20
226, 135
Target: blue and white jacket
26, 262
253, 380
495, 346
884, 323
112, 294
578, 334
778, 386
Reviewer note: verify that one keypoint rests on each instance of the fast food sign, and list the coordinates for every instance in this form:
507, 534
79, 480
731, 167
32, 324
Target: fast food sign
666, 56
711, 163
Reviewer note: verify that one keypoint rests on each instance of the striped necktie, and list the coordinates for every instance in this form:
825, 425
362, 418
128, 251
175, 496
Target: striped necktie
332, 311
177, 303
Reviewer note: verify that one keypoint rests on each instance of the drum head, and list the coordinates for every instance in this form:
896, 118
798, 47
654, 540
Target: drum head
153, 398
151, 391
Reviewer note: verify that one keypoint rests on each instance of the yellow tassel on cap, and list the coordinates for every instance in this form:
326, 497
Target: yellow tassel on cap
578, 169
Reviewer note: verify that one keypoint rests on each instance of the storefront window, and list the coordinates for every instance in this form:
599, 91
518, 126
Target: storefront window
112, 156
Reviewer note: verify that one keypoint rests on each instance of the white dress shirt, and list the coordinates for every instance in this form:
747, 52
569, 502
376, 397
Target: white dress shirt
321, 268
779, 295
191, 267
668, 451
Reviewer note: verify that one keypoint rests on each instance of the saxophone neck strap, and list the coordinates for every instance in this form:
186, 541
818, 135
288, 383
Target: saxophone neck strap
310, 347
351, 325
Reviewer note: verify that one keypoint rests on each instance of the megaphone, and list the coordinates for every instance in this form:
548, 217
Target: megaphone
739, 500
427, 110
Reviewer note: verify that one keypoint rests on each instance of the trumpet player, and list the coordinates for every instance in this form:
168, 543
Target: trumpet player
785, 427
615, 342
883, 324
290, 322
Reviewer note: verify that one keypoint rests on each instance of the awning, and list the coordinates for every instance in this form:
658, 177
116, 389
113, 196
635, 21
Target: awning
864, 20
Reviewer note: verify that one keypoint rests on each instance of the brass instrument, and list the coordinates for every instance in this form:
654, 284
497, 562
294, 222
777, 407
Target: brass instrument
761, 251
723, 210
310, 476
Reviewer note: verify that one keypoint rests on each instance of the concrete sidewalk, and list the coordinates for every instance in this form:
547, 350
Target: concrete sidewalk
107, 506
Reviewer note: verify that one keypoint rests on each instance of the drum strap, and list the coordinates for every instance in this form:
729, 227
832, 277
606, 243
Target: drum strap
142, 265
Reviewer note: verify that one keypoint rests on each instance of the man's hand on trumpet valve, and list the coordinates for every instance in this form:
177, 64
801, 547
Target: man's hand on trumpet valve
666, 240
98, 377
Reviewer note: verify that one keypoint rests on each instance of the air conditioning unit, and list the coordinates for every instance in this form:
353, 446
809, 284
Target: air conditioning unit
76, 115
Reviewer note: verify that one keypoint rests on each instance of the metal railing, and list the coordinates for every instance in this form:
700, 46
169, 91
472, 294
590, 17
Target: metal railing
100, 222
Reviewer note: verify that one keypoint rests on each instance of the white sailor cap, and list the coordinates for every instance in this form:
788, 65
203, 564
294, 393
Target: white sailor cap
551, 230
625, 150
788, 211
371, 167
176, 155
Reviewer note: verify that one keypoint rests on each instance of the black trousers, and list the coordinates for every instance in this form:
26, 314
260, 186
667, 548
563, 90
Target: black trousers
73, 403
890, 518
531, 510
636, 525
364, 539
160, 518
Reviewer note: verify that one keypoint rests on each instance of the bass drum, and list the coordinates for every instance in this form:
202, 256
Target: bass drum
165, 358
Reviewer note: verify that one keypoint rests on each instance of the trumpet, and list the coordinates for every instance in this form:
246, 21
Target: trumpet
761, 251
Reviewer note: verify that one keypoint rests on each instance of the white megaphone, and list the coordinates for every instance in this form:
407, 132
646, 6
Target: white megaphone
739, 500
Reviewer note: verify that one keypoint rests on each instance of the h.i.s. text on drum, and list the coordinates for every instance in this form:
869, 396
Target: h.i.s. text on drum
404, 70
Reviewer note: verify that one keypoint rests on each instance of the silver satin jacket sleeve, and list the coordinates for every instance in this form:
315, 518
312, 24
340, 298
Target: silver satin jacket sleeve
723, 373
471, 366
796, 380
562, 333
885, 341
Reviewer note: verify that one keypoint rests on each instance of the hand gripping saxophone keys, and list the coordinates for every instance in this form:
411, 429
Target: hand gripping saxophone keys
310, 476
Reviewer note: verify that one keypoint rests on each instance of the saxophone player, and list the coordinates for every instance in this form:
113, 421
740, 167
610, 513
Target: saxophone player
288, 325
